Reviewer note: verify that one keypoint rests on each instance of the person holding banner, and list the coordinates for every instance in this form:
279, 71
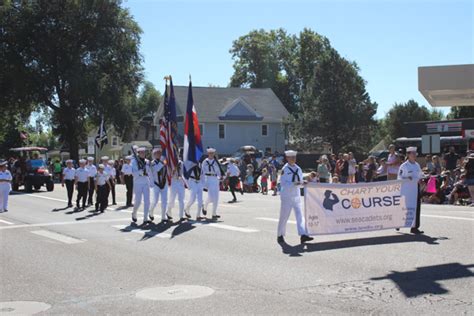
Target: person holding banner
141, 184
159, 185
410, 170
291, 180
177, 190
195, 187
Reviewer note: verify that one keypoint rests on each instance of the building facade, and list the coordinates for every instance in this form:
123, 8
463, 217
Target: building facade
230, 118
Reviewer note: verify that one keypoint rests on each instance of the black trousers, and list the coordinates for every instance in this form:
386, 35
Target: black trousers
70, 190
82, 188
102, 197
112, 189
418, 209
233, 184
129, 185
91, 190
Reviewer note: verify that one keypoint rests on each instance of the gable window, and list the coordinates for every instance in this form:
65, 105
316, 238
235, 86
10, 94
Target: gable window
264, 130
201, 129
115, 141
221, 131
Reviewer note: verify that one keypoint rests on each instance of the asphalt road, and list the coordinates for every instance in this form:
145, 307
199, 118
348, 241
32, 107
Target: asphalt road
77, 263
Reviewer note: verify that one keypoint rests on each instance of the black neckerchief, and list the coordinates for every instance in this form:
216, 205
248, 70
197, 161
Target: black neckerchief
295, 174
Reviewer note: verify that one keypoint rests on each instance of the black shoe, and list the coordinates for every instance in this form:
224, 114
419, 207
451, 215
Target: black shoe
241, 192
168, 216
164, 221
199, 218
5, 211
416, 231
280, 239
84, 206
102, 211
397, 229
114, 203
204, 212
215, 217
152, 218
187, 215
69, 205
305, 238
182, 219
218, 216
134, 219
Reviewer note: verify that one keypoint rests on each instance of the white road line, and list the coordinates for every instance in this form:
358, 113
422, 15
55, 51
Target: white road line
228, 227
6, 222
90, 221
58, 237
273, 220
449, 217
59, 200
141, 231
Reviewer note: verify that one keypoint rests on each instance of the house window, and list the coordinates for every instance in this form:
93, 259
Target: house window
264, 130
268, 150
201, 129
115, 141
221, 131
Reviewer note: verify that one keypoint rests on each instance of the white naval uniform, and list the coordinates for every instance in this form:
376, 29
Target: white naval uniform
5, 188
195, 184
211, 174
141, 188
69, 173
410, 170
92, 170
157, 166
177, 190
291, 198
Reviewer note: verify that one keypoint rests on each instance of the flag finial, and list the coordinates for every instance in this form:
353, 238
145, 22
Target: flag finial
189, 77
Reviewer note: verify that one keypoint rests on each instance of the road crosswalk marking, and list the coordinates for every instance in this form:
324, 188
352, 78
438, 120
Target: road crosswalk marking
58, 237
127, 228
273, 220
6, 222
89, 221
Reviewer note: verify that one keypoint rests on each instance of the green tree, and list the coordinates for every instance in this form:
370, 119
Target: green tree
410, 111
274, 59
78, 58
148, 100
335, 107
458, 112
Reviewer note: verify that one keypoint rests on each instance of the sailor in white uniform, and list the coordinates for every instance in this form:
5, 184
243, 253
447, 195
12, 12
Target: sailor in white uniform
212, 173
177, 191
82, 183
69, 175
195, 184
291, 181
141, 184
159, 184
102, 186
127, 178
410, 170
113, 175
92, 172
5, 185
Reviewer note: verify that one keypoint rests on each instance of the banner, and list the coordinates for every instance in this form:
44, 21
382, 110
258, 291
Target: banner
350, 208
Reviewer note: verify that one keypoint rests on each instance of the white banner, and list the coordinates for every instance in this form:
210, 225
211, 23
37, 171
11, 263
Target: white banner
90, 145
349, 208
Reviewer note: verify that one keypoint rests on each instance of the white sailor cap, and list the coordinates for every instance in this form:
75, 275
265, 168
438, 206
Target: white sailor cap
411, 149
290, 153
69, 161
128, 158
82, 161
90, 158
104, 158
211, 150
141, 149
111, 162
101, 166
3, 162
157, 149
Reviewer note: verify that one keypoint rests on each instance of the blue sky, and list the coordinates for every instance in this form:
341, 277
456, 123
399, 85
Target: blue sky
387, 39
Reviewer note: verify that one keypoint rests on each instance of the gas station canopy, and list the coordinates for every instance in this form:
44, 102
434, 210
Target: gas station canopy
447, 85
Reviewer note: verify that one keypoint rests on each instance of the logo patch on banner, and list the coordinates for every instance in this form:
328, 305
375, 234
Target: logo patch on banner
345, 208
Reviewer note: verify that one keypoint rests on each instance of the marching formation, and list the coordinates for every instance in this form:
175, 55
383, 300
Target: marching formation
149, 183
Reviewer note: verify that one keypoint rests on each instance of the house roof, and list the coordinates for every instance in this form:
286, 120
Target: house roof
226, 104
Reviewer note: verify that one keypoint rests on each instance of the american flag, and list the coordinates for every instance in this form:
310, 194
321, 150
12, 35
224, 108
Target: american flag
169, 131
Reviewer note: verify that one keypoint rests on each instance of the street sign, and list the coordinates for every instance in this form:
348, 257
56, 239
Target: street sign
431, 144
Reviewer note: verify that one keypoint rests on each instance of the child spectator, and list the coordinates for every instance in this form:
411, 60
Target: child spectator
264, 181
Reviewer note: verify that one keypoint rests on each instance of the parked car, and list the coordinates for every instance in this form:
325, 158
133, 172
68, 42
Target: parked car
30, 170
